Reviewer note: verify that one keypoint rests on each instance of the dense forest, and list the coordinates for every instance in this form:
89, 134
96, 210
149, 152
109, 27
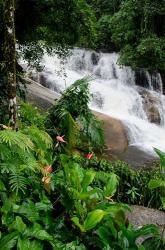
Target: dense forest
59, 189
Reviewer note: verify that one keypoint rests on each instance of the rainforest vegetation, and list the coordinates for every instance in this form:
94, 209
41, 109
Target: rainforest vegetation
57, 189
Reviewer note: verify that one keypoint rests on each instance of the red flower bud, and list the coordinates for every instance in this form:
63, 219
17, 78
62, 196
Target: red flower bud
89, 156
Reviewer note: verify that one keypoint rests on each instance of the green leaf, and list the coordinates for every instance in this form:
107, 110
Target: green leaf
2, 186
141, 248
25, 244
9, 241
161, 156
88, 179
104, 234
43, 235
111, 186
93, 192
147, 230
163, 202
36, 232
18, 182
77, 223
29, 210
156, 183
93, 218
19, 225
42, 206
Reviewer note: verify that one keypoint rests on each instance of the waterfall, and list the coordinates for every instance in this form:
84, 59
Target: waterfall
115, 93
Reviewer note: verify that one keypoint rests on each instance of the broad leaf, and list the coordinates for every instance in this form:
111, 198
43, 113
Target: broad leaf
26, 244
93, 218
9, 241
77, 223
104, 234
111, 186
88, 179
156, 183
147, 230
19, 225
161, 156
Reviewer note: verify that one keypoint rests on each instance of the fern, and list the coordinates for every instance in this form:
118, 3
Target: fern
18, 182
40, 137
16, 139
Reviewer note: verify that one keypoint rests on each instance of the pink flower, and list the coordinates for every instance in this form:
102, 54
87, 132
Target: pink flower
60, 139
48, 169
89, 156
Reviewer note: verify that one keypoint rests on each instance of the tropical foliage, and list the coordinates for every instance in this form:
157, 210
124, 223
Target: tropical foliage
71, 116
133, 183
160, 182
41, 208
56, 190
52, 197
136, 28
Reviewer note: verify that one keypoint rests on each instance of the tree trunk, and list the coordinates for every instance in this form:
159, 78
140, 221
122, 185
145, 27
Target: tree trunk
10, 60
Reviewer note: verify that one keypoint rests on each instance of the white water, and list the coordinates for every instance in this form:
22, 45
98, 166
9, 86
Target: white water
115, 93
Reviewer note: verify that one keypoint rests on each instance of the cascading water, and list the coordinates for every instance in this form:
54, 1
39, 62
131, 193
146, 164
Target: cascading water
114, 93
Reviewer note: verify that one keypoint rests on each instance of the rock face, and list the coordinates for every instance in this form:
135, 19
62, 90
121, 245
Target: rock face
142, 215
115, 135
149, 80
137, 157
39, 95
151, 104
42, 78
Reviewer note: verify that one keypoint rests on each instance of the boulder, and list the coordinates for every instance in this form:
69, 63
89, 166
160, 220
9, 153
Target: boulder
151, 103
142, 215
115, 135
40, 96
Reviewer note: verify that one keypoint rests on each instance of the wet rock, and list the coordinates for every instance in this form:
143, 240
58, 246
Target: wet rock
142, 215
44, 82
141, 79
40, 96
149, 80
98, 100
150, 104
137, 158
94, 58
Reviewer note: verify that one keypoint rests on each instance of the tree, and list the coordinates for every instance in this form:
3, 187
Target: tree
138, 28
10, 59
104, 11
